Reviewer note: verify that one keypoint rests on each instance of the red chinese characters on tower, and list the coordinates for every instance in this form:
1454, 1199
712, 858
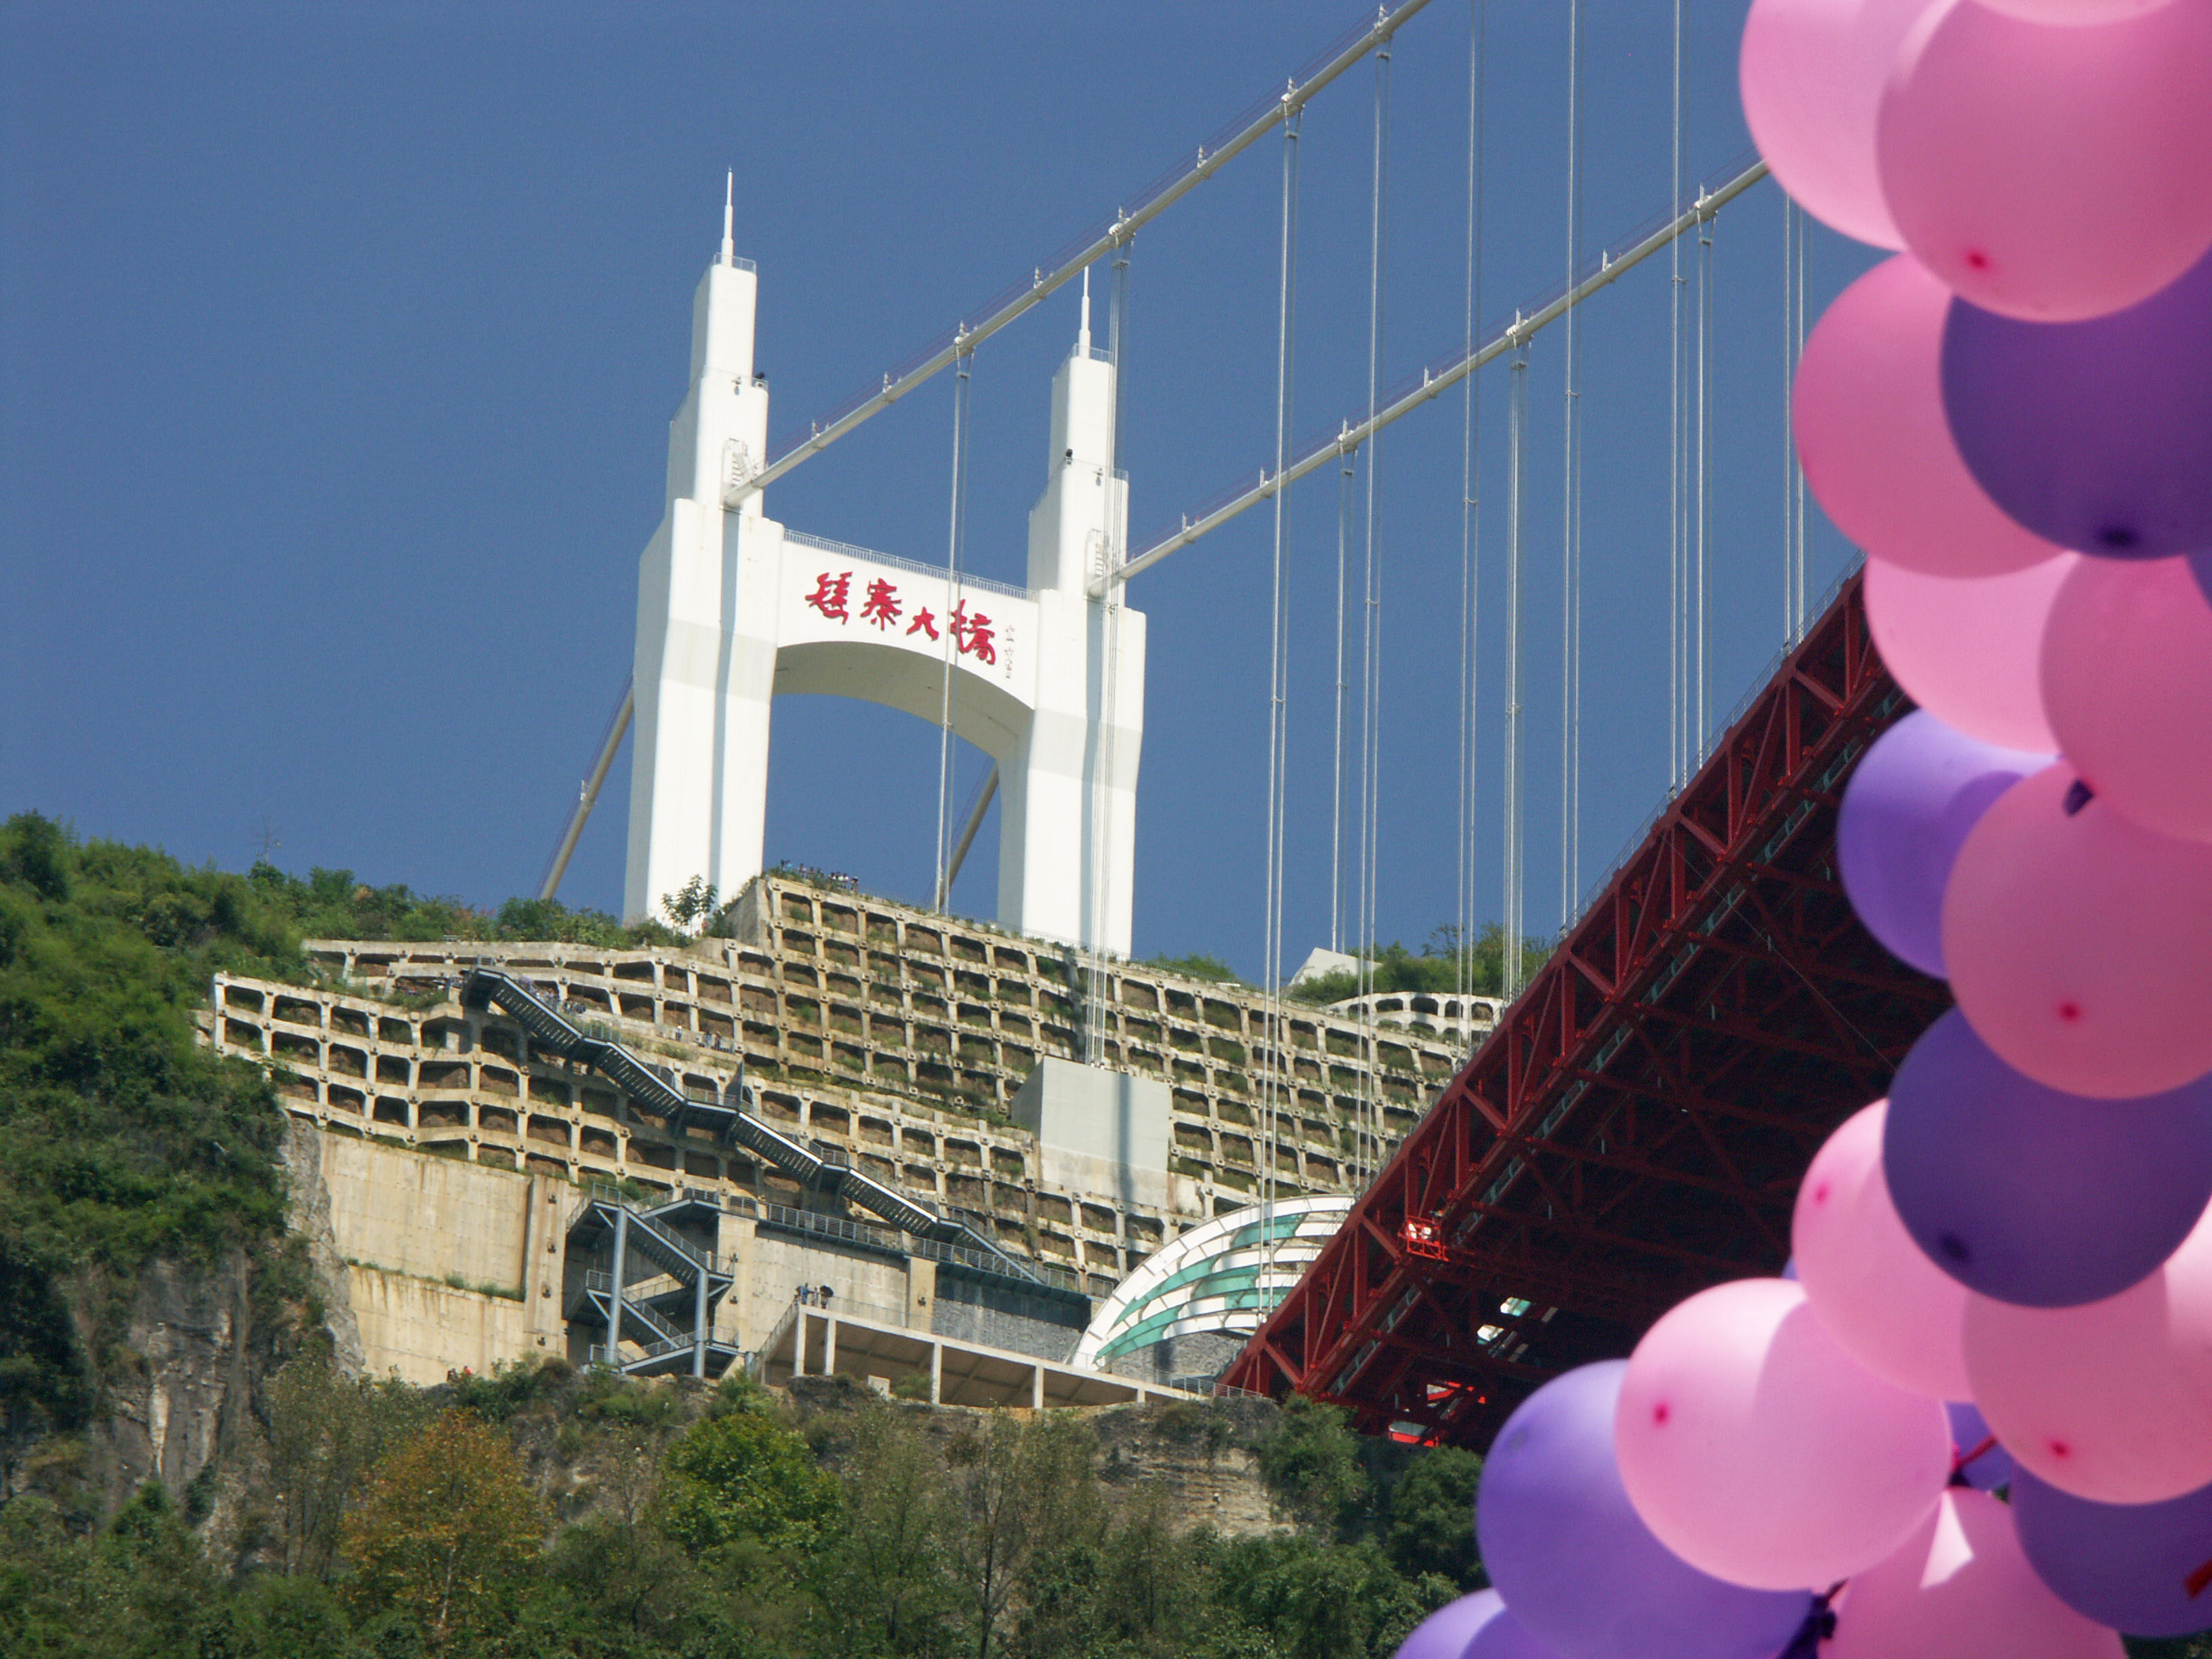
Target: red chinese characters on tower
882, 606
829, 593
972, 634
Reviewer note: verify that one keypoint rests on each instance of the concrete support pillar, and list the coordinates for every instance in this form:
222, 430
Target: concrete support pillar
1036, 1388
614, 1316
699, 1321
920, 1292
829, 1346
936, 1373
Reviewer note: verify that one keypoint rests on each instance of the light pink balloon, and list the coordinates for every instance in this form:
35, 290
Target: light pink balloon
1756, 1450
1867, 411
2127, 682
1876, 1293
2111, 1400
2048, 172
1968, 650
2080, 945
1961, 1588
2073, 13
1811, 74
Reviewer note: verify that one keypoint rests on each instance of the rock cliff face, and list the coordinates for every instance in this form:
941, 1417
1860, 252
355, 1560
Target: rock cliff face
177, 1381
310, 1199
1199, 1453
179, 1358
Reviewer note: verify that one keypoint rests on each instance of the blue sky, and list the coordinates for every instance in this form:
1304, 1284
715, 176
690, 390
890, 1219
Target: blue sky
338, 345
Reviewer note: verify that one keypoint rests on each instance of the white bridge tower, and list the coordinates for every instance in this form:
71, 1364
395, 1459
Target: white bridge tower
732, 608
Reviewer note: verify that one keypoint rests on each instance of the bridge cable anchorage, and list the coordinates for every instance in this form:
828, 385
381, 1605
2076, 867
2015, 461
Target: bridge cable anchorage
1501, 343
1570, 574
972, 820
1470, 583
1270, 1031
1154, 200
946, 758
1370, 663
587, 795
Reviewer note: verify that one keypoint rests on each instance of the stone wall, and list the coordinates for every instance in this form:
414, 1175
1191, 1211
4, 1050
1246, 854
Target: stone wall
1000, 1313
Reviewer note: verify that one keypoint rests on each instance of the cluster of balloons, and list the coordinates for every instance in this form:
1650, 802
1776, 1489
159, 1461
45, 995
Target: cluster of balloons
1976, 1417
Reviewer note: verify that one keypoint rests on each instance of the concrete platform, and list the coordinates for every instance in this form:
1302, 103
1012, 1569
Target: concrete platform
820, 1342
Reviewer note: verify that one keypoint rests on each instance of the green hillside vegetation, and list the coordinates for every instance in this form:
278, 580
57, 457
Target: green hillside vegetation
121, 1139
544, 1512
1435, 968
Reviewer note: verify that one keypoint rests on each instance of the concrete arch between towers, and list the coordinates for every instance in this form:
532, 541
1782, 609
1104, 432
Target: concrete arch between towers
984, 712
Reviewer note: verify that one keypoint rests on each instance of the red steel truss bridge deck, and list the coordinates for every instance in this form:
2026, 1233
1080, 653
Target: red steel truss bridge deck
1635, 1129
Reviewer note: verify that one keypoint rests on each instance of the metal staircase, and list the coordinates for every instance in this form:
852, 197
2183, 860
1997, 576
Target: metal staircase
668, 1309
827, 1169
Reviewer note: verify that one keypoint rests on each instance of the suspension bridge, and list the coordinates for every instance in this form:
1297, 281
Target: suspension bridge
1634, 1126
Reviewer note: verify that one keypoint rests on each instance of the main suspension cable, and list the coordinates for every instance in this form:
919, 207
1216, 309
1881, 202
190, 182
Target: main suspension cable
1517, 432
1370, 736
1470, 577
1794, 595
1348, 460
952, 552
1570, 596
1701, 616
1271, 1035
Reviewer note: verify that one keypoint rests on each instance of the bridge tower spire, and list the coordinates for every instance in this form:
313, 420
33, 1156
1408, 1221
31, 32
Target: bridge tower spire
732, 609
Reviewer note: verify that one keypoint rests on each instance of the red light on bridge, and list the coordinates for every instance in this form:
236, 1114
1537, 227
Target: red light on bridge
1425, 1239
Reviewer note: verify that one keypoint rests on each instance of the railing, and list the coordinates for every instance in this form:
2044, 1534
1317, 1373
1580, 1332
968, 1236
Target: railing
847, 550
638, 1290
605, 1192
1035, 1273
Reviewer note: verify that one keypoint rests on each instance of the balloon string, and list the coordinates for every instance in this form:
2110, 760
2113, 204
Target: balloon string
1820, 1625
2197, 1581
1989, 1444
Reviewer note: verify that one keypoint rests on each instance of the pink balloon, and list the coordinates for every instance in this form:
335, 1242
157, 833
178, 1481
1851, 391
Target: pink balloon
2073, 13
2127, 682
1876, 1293
1966, 648
1757, 1451
1867, 410
2111, 1400
1961, 1588
2080, 945
2047, 173
1811, 74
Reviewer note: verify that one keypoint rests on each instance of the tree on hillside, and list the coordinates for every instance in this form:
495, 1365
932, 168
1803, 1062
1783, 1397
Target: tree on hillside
1311, 1462
743, 1478
326, 1431
883, 1584
1028, 1506
446, 1529
1431, 1511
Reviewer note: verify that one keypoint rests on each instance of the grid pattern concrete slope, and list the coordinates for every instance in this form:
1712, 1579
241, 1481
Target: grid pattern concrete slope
896, 1036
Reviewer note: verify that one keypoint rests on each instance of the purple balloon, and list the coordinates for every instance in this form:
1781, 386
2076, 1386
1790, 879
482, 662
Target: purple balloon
1577, 1564
1969, 1429
2035, 1197
1906, 812
1475, 1626
2128, 1565
2092, 434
